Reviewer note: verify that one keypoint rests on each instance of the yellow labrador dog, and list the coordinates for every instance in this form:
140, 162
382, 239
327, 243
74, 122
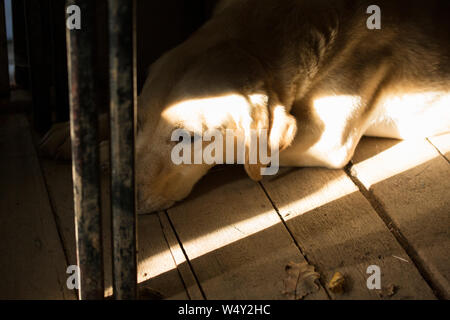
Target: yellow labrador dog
316, 74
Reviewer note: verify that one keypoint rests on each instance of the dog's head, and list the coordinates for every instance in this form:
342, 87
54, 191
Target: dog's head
208, 94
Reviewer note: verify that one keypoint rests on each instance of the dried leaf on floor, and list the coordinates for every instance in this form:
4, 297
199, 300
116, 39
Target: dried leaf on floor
388, 291
301, 280
337, 283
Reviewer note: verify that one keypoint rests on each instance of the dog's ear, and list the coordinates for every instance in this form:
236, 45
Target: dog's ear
270, 118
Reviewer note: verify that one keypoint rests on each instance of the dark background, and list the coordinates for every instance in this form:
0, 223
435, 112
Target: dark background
40, 47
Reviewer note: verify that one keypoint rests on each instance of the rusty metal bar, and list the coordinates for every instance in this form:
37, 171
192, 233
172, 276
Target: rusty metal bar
85, 152
122, 117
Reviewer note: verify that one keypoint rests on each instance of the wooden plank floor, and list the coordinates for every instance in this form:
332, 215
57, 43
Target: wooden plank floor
412, 193
338, 230
32, 260
157, 267
232, 238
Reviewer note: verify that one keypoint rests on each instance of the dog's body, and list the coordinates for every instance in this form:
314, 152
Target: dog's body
310, 72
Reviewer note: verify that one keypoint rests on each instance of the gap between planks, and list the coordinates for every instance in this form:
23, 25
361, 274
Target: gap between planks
321, 280
395, 231
234, 239
336, 223
184, 267
410, 197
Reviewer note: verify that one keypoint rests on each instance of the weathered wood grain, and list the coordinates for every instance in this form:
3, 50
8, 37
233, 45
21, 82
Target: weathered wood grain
153, 250
32, 264
157, 268
58, 175
338, 230
236, 242
410, 180
180, 259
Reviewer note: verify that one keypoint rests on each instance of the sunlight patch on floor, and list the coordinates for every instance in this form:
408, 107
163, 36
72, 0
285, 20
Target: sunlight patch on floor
399, 158
331, 191
393, 161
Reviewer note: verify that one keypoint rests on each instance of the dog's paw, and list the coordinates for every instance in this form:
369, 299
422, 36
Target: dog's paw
56, 142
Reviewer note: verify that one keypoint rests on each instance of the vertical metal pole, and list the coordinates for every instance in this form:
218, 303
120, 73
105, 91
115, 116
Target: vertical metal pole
21, 65
4, 73
122, 114
85, 153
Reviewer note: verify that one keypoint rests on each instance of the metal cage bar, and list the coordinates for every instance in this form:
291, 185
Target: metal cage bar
21, 65
85, 152
4, 74
122, 126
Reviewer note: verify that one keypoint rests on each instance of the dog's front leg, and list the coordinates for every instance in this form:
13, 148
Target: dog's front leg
329, 130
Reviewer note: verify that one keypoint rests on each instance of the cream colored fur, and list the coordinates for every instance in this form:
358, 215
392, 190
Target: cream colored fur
308, 71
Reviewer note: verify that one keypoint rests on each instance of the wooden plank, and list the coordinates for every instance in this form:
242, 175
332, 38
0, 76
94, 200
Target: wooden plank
234, 239
153, 251
180, 259
338, 230
15, 138
33, 265
58, 175
442, 143
411, 182
157, 267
